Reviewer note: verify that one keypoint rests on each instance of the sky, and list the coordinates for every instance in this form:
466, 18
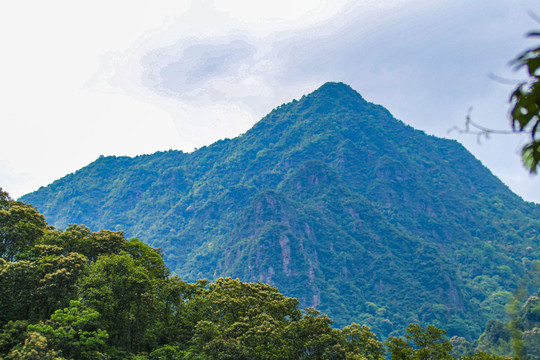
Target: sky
83, 79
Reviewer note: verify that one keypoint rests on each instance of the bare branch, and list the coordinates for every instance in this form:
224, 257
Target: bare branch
505, 81
534, 16
480, 131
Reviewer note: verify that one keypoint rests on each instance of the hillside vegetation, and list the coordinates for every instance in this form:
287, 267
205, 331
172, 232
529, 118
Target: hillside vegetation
83, 295
333, 201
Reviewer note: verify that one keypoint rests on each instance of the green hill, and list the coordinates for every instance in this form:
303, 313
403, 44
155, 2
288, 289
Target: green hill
332, 200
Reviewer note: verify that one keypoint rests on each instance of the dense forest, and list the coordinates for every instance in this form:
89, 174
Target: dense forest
78, 294
333, 201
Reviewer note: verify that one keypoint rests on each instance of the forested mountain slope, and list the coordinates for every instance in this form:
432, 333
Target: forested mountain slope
332, 200
78, 294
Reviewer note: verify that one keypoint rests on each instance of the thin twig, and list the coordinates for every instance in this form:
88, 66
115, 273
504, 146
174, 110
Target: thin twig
480, 131
505, 81
534, 16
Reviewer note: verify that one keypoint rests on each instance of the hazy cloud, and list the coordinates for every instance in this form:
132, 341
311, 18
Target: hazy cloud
191, 66
182, 74
428, 63
11, 179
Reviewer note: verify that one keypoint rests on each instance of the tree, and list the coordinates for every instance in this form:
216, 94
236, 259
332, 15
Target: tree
525, 114
123, 292
525, 108
243, 321
20, 226
360, 340
430, 343
12, 334
177, 312
148, 257
34, 288
229, 300
74, 332
80, 239
312, 337
35, 348
480, 355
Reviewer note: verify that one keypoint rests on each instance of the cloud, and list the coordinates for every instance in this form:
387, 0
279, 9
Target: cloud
215, 80
11, 179
419, 59
186, 67
427, 62
182, 74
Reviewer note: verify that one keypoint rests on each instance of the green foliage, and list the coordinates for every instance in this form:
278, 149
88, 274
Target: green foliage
73, 332
20, 226
359, 341
480, 355
461, 347
35, 348
167, 352
520, 335
149, 258
34, 289
116, 300
12, 334
330, 199
122, 291
83, 241
229, 300
420, 344
526, 105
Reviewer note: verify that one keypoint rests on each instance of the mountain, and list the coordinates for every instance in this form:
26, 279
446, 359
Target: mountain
332, 200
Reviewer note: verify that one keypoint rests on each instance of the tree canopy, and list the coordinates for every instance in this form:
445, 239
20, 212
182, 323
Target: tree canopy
525, 99
78, 294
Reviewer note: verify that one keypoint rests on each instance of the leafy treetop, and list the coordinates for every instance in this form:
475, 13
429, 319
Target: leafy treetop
525, 114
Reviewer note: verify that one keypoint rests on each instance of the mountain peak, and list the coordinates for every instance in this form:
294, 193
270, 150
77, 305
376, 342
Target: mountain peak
335, 86
333, 97
336, 90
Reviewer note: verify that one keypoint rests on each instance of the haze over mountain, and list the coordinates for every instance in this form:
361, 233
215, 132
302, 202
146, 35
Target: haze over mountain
332, 200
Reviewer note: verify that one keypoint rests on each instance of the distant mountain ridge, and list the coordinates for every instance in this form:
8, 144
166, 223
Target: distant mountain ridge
332, 200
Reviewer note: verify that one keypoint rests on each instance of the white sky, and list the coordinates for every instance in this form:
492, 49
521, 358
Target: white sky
83, 79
